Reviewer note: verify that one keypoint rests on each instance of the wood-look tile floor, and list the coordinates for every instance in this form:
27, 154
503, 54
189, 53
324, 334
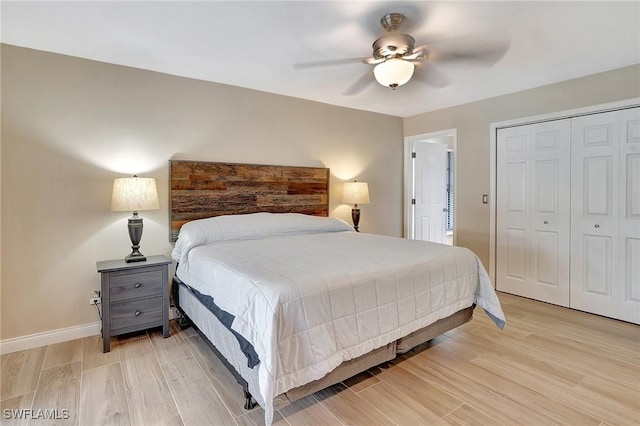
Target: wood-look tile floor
549, 366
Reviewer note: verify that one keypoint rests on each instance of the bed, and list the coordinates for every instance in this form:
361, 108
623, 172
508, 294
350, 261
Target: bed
292, 301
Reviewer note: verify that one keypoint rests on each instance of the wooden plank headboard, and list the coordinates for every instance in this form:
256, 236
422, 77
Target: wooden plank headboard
200, 189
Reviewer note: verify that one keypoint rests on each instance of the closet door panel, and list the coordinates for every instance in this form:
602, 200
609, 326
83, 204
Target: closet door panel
594, 213
533, 211
550, 215
629, 218
513, 216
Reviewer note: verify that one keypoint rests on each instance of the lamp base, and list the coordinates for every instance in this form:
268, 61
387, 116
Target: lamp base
135, 234
135, 257
355, 216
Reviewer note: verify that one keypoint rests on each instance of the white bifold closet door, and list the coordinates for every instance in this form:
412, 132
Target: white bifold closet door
605, 214
533, 211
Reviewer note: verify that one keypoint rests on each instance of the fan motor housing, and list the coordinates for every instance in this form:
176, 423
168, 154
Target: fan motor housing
393, 45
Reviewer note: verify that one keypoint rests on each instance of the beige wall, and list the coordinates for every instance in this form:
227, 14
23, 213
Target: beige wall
472, 122
69, 126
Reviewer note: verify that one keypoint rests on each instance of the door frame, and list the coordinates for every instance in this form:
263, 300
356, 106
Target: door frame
493, 132
409, 178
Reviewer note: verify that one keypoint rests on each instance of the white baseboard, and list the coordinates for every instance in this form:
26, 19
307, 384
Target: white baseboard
49, 337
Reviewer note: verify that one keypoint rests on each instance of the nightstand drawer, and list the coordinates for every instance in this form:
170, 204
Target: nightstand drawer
134, 285
136, 314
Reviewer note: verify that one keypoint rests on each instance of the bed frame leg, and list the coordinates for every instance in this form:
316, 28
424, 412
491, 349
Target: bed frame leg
248, 400
183, 323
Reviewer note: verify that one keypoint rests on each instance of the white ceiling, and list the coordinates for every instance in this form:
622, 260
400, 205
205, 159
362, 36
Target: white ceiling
256, 44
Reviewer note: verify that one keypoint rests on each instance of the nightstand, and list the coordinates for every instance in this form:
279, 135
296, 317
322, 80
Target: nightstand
135, 296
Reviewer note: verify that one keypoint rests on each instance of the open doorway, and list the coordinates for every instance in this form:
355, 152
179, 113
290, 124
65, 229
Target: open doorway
430, 186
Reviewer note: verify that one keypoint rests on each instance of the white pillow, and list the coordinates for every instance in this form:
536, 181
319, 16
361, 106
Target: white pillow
250, 227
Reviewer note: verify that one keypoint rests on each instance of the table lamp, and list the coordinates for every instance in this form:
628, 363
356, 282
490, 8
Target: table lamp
133, 195
355, 193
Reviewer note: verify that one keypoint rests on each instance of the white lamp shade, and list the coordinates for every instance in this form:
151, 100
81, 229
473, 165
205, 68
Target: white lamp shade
393, 72
134, 194
355, 193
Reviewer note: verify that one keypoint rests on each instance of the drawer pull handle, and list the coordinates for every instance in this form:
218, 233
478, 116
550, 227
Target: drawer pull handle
137, 285
546, 222
138, 313
597, 226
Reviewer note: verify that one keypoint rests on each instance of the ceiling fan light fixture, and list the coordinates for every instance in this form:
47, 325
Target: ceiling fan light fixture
393, 72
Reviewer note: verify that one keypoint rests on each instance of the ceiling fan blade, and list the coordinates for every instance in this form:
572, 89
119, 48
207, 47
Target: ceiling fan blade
360, 84
420, 49
331, 62
488, 56
374, 61
483, 49
426, 73
415, 56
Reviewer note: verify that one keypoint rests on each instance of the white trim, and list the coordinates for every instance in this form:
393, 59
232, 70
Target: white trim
408, 177
576, 112
493, 128
408, 182
49, 337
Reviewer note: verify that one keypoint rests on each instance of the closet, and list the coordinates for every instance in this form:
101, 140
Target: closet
568, 212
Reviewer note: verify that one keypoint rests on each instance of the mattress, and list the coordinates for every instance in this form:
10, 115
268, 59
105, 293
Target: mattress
309, 293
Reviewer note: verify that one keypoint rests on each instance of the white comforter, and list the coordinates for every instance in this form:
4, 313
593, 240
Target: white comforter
309, 301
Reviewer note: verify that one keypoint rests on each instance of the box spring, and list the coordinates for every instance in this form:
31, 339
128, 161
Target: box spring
226, 345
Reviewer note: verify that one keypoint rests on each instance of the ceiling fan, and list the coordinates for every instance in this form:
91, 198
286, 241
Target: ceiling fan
395, 57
